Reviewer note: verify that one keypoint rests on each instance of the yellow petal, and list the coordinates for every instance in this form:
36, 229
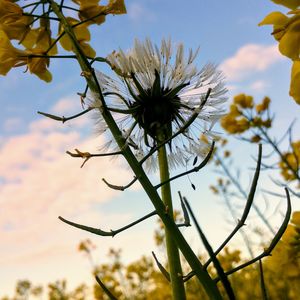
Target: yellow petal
46, 76
295, 82
88, 50
292, 4
30, 39
9, 55
81, 32
290, 42
117, 7
274, 18
296, 218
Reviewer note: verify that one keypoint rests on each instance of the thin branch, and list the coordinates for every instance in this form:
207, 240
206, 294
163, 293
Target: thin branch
262, 282
120, 187
65, 119
111, 233
186, 217
55, 41
195, 169
213, 257
31, 4
273, 193
181, 130
274, 242
248, 205
40, 16
274, 144
105, 289
161, 268
70, 8
48, 56
241, 222
242, 192
88, 155
288, 132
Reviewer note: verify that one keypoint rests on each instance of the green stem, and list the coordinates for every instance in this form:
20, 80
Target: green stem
175, 270
202, 275
277, 150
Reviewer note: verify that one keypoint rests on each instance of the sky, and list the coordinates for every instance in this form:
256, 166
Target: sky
39, 181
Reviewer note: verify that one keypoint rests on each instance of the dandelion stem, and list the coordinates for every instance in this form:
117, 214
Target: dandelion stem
202, 275
175, 270
195, 169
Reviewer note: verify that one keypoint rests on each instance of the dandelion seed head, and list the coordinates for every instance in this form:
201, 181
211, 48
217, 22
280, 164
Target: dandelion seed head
162, 90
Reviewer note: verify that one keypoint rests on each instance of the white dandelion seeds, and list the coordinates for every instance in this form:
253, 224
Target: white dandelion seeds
156, 93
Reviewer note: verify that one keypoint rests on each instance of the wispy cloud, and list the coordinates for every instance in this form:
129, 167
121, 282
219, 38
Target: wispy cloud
259, 85
12, 124
138, 12
39, 182
250, 59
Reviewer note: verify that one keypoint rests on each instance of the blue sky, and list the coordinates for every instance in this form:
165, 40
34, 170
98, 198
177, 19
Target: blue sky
38, 181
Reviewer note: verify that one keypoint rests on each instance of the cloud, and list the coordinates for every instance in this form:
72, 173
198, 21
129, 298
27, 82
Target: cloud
12, 124
250, 59
137, 12
259, 85
39, 182
66, 105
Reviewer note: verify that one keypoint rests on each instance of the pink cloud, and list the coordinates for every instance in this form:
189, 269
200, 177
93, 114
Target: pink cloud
66, 105
40, 182
12, 124
249, 59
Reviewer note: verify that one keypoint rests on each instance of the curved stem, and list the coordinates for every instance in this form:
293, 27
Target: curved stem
174, 264
277, 150
202, 275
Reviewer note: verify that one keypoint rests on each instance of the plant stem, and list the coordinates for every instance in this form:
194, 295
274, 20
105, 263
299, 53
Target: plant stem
175, 270
202, 275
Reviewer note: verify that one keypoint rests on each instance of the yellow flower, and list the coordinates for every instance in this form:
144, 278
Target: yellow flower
293, 159
292, 4
295, 81
243, 100
40, 38
256, 139
12, 20
234, 111
83, 36
90, 9
116, 7
11, 57
263, 106
296, 218
39, 65
287, 31
234, 125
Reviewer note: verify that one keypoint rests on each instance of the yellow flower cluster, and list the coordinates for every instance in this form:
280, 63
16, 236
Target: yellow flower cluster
12, 57
15, 24
241, 115
293, 160
285, 256
286, 30
93, 13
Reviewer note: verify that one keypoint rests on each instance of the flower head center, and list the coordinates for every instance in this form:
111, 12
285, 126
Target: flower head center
155, 108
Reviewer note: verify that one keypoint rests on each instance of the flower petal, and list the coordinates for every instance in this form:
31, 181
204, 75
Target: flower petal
295, 82
292, 4
274, 18
117, 7
290, 42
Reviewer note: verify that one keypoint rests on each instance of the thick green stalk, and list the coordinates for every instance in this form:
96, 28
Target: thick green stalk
175, 270
202, 275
